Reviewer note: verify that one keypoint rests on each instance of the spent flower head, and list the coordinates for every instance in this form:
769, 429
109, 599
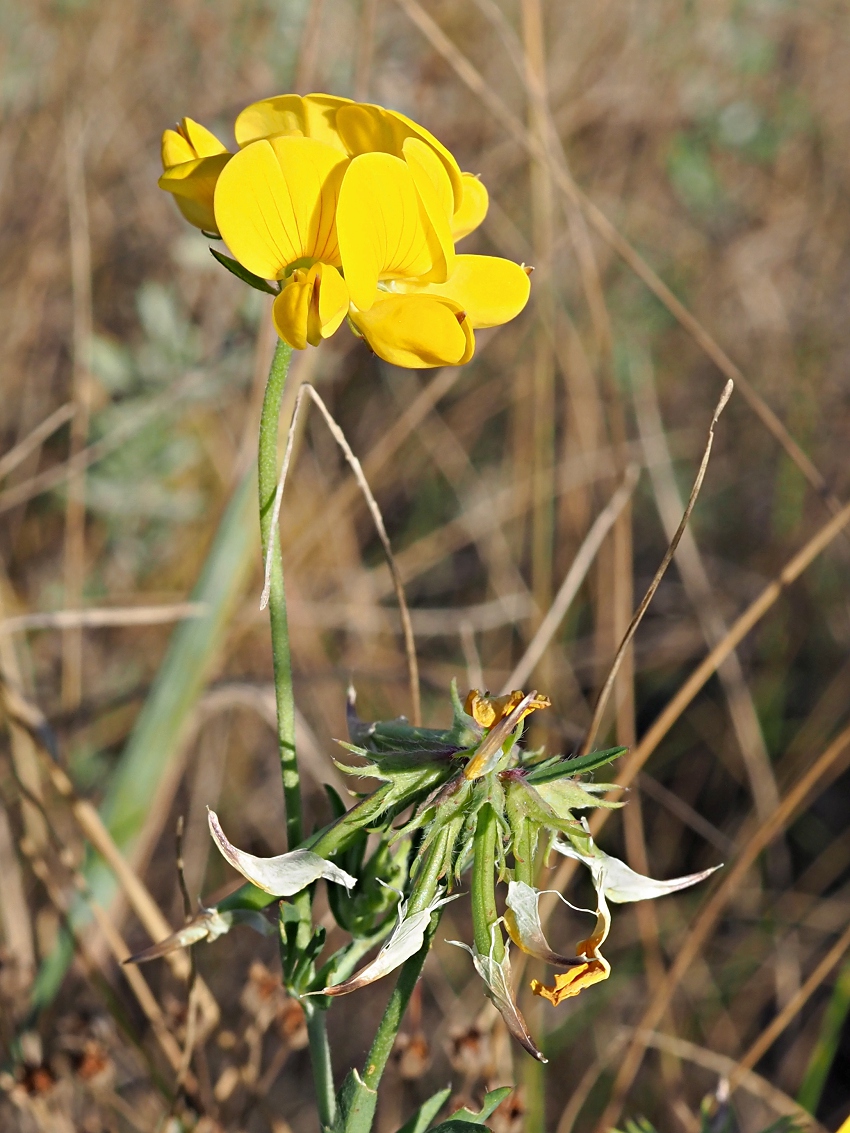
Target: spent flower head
477, 805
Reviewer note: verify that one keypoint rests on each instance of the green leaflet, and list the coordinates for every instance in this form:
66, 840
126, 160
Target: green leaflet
426, 1113
559, 766
492, 1100
565, 795
242, 273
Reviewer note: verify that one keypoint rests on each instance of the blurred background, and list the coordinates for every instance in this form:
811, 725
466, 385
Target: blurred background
710, 141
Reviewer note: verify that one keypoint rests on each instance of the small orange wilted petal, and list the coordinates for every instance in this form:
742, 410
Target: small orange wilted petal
573, 981
489, 710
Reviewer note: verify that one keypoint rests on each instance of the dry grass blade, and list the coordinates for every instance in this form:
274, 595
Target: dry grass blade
724, 1067
356, 467
101, 618
603, 226
824, 770
36, 438
791, 1009
572, 582
602, 700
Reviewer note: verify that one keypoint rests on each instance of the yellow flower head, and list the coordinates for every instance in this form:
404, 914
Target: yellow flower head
192, 160
355, 209
489, 710
275, 204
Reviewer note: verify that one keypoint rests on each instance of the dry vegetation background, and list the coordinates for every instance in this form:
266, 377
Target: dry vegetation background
715, 136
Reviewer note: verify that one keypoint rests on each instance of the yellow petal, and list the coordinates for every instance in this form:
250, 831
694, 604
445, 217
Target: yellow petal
311, 306
382, 226
275, 204
491, 290
473, 207
332, 299
416, 331
365, 128
435, 192
175, 149
570, 983
290, 115
193, 185
291, 310
202, 141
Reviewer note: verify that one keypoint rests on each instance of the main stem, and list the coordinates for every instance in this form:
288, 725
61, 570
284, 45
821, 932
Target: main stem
320, 1056
424, 892
267, 468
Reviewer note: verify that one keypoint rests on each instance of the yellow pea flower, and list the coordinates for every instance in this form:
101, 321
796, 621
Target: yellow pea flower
473, 206
415, 331
292, 116
192, 160
356, 128
275, 206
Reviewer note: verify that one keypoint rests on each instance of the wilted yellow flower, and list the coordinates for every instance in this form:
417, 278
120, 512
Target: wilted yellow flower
275, 204
489, 710
192, 159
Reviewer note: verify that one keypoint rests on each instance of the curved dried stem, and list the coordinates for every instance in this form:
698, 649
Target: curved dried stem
306, 389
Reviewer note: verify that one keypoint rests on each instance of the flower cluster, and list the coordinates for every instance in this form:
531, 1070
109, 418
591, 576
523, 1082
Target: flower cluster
353, 211
477, 805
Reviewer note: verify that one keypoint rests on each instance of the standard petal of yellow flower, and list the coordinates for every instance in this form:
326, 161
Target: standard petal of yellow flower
311, 306
291, 115
491, 290
416, 331
365, 128
570, 983
435, 192
473, 207
382, 226
193, 184
275, 204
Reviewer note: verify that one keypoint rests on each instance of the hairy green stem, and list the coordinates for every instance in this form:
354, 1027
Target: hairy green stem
320, 1057
424, 892
267, 466
483, 895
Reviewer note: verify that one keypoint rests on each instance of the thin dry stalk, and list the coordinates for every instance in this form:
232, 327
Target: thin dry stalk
792, 1008
75, 511
605, 692
308, 51
356, 467
573, 580
36, 438
822, 772
365, 49
102, 617
723, 1066
14, 910
604, 228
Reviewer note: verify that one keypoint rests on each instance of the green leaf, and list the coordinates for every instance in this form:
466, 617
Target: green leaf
565, 795
356, 1105
456, 1126
426, 1113
492, 1100
242, 273
558, 768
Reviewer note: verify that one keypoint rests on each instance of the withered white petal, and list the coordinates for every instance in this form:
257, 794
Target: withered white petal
282, 875
522, 921
620, 883
497, 978
407, 938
